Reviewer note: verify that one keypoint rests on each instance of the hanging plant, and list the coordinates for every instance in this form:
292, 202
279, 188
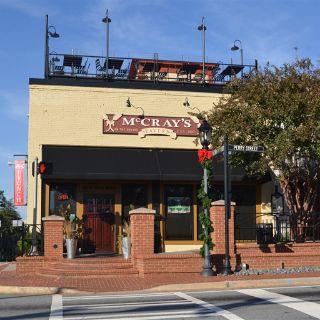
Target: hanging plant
205, 159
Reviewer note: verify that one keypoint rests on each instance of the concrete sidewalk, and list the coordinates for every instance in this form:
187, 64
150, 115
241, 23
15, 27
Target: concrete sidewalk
12, 283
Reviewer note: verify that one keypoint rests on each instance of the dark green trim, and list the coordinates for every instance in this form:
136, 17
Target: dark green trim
125, 84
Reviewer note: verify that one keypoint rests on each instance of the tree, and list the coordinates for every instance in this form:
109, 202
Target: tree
8, 234
278, 108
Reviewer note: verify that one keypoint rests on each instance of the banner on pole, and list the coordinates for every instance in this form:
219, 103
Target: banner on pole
19, 187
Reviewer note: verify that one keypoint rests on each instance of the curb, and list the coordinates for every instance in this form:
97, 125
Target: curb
39, 290
190, 287
239, 284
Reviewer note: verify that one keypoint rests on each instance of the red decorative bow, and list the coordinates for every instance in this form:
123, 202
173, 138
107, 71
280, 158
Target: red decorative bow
204, 155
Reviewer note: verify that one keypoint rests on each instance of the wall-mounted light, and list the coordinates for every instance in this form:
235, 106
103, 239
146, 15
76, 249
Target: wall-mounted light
186, 103
129, 105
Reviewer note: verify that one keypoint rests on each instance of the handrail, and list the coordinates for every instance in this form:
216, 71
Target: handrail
143, 69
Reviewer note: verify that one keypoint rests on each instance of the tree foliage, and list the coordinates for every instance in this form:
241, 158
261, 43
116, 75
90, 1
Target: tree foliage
278, 108
8, 234
7, 211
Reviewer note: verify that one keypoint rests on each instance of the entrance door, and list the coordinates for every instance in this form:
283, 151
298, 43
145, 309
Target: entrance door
99, 227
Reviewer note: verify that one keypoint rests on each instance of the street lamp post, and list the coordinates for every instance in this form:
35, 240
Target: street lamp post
34, 248
107, 21
205, 131
235, 48
227, 205
203, 28
50, 31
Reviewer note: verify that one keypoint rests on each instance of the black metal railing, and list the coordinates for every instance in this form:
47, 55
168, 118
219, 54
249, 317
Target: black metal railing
17, 241
268, 228
126, 68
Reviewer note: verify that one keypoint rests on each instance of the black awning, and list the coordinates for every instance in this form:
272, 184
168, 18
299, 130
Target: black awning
122, 163
97, 163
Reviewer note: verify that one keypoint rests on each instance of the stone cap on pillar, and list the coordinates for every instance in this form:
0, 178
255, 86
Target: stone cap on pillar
221, 203
53, 218
142, 211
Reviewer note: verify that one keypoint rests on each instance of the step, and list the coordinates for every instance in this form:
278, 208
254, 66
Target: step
97, 260
93, 266
85, 273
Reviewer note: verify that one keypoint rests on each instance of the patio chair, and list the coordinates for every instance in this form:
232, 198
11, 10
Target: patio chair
83, 69
58, 69
122, 73
162, 75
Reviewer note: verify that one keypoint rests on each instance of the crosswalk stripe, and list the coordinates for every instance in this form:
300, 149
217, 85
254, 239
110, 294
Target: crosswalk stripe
56, 307
128, 304
147, 315
309, 308
214, 309
117, 296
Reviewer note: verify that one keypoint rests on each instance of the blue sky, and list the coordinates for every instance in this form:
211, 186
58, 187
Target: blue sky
269, 31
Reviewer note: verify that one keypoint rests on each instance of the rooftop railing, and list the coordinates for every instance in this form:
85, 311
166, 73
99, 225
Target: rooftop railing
139, 69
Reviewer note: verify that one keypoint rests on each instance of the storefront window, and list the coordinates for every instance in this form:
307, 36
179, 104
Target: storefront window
133, 196
62, 195
179, 212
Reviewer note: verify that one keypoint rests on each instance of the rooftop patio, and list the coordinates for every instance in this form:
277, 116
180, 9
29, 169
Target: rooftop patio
140, 69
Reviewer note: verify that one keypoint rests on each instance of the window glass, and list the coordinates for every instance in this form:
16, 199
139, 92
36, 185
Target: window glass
179, 212
133, 196
60, 196
245, 211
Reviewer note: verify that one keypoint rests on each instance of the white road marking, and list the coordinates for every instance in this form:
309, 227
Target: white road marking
56, 307
128, 304
118, 296
147, 316
309, 308
267, 288
217, 311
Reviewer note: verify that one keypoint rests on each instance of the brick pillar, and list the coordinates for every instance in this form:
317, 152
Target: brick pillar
217, 216
53, 237
142, 231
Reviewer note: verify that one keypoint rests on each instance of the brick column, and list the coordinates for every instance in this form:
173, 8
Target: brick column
53, 237
142, 231
217, 216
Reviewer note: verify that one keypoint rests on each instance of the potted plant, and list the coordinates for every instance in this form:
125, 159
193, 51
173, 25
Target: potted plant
126, 240
73, 229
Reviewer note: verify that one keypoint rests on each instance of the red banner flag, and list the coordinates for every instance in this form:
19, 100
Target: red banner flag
19, 166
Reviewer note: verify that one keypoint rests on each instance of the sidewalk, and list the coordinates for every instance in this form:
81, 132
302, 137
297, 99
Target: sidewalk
10, 282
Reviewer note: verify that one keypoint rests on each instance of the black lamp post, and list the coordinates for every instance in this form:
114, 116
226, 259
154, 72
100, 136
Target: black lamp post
277, 207
107, 21
238, 47
203, 29
205, 132
227, 205
50, 31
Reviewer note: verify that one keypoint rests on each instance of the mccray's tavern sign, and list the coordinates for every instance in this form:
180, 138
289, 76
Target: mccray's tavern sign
143, 126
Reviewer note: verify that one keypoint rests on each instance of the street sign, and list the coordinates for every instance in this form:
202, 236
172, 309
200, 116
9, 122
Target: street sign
237, 147
217, 151
17, 223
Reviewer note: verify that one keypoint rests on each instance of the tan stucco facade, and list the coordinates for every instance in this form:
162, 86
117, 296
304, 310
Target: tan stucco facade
73, 116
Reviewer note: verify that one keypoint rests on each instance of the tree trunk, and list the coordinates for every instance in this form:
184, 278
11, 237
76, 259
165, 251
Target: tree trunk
300, 196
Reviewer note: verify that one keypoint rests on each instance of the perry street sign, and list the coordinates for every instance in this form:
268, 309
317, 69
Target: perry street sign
237, 147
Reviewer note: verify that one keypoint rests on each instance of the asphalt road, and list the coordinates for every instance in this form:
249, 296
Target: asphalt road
294, 303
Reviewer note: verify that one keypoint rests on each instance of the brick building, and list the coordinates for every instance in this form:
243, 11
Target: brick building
124, 139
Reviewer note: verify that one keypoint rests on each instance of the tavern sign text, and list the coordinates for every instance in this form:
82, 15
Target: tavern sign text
171, 126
